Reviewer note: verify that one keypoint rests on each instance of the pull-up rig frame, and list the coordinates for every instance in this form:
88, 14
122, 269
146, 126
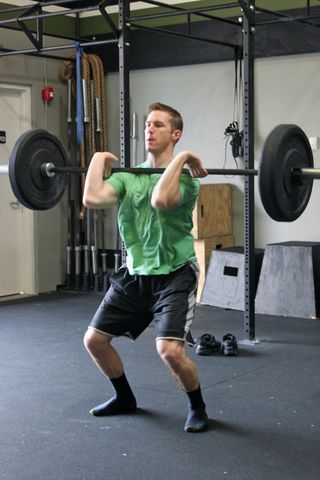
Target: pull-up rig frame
121, 36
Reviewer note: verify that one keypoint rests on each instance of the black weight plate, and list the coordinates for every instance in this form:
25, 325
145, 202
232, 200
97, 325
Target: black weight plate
32, 188
283, 195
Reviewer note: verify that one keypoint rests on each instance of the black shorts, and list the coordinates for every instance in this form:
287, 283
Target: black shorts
134, 301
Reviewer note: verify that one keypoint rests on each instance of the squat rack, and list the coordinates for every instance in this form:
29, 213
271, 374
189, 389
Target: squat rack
121, 36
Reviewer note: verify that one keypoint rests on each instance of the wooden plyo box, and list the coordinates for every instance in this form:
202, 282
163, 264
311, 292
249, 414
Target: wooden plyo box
212, 215
203, 249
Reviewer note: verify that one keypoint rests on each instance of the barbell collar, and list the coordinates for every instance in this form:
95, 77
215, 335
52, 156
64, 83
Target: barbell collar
46, 169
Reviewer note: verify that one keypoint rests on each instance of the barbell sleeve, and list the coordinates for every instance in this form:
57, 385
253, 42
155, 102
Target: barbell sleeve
98, 115
4, 170
309, 172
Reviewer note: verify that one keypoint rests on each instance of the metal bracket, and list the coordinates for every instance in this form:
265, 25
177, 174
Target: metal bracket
248, 10
36, 41
102, 5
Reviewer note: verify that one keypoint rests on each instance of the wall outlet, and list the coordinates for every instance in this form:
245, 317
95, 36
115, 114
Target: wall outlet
314, 142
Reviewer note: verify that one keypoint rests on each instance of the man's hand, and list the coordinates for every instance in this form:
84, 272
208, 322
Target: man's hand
108, 158
194, 164
166, 194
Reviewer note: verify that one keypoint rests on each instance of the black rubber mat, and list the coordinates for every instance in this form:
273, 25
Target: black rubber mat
263, 404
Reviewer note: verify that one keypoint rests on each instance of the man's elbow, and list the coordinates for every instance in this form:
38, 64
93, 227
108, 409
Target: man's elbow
86, 202
89, 201
157, 204
164, 203
99, 200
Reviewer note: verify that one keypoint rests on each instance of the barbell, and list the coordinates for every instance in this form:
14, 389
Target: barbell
38, 168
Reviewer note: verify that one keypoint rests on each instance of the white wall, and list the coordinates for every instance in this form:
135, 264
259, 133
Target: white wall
287, 90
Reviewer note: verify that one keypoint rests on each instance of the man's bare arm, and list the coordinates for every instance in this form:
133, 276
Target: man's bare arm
166, 194
97, 193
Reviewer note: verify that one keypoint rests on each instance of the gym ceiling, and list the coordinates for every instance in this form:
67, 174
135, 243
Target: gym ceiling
283, 27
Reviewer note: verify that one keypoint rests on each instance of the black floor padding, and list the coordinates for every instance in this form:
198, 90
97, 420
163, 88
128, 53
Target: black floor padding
263, 404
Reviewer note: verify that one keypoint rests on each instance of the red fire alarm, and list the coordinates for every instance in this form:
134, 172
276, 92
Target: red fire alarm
47, 94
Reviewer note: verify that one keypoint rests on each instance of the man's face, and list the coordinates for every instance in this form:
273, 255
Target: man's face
159, 134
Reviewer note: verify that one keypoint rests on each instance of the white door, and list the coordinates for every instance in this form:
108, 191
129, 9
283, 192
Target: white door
16, 222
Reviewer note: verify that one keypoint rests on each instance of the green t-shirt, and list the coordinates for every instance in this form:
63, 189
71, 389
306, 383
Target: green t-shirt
157, 241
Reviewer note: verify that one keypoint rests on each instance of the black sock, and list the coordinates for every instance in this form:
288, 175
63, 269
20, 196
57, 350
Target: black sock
122, 387
195, 399
123, 402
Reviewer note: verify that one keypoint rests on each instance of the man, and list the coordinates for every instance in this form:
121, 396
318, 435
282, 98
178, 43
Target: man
159, 280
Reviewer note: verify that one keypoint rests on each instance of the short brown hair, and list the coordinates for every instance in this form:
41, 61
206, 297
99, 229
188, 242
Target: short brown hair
176, 118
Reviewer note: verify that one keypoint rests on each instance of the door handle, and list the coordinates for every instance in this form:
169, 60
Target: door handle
15, 205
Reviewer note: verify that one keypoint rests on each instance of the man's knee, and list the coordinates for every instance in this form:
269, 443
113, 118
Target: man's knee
94, 341
171, 352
